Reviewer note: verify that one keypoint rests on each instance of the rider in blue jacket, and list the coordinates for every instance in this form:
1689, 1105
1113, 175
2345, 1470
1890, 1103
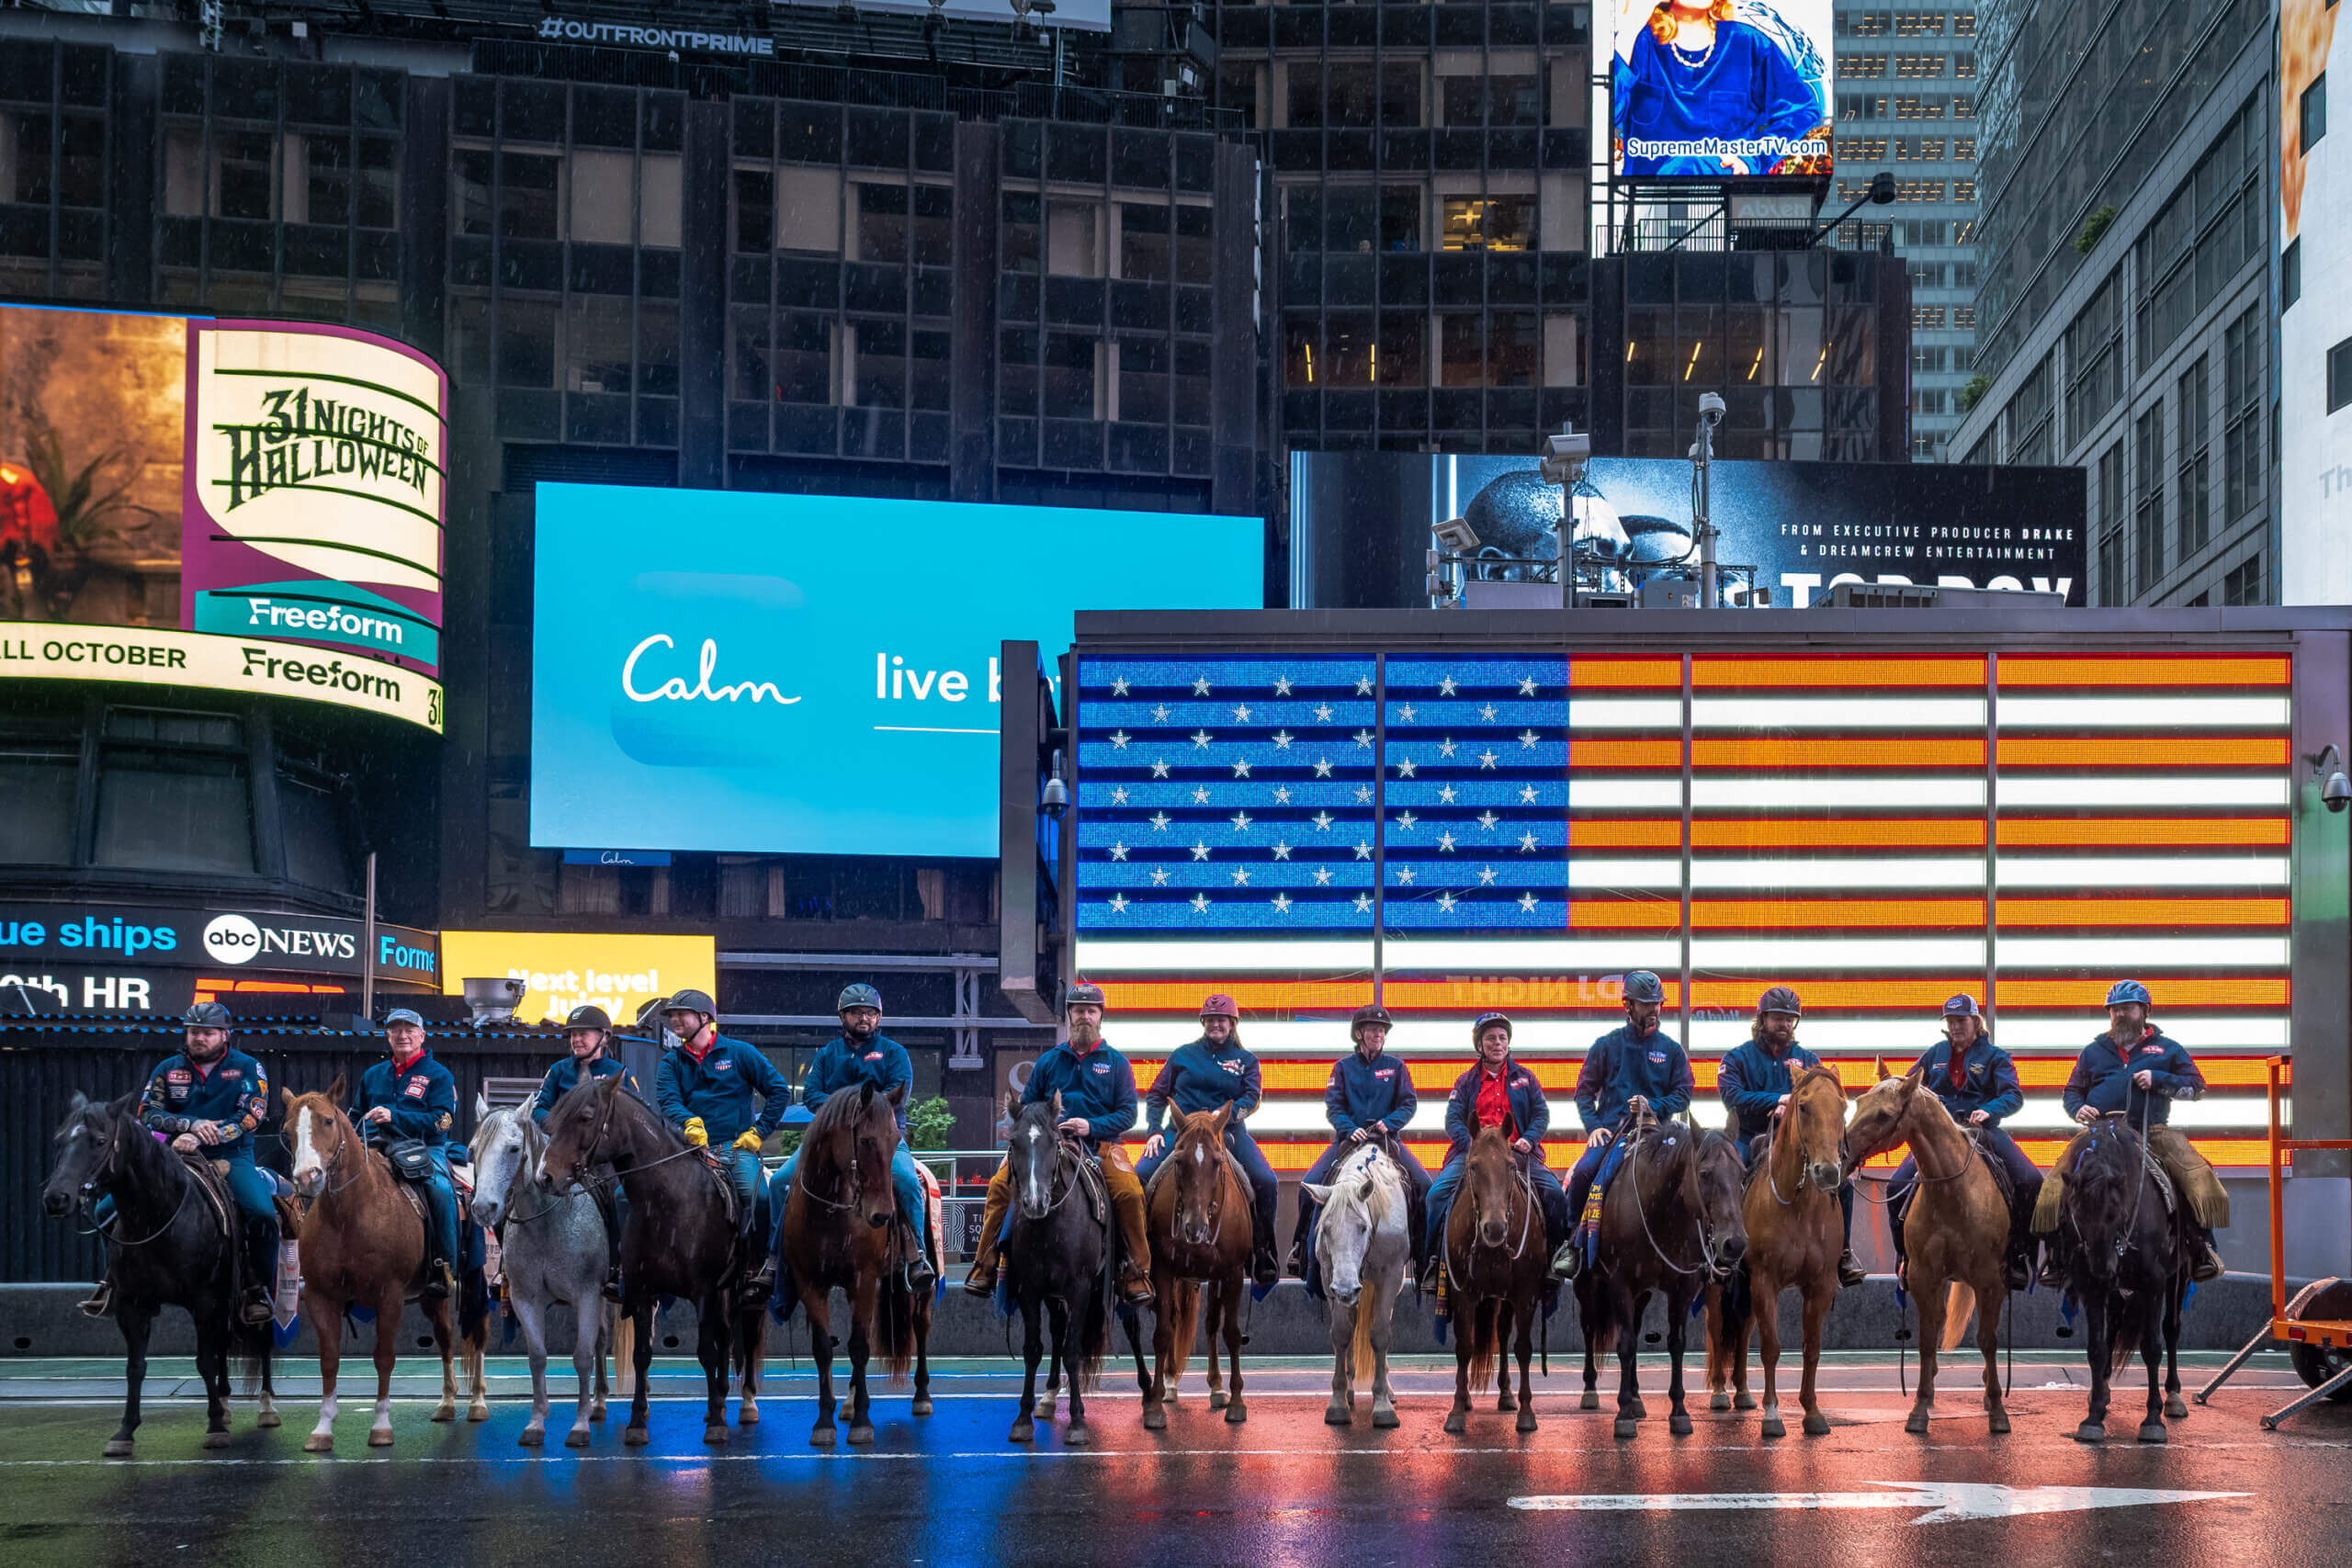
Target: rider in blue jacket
589, 1033
1496, 1092
1636, 1067
1978, 1084
410, 1095
1210, 1072
861, 1055
705, 1091
1755, 1080
1370, 1096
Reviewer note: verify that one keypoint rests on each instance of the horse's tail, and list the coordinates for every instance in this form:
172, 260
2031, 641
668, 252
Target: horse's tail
751, 1345
1183, 1321
1360, 1349
1482, 1340
473, 1308
1093, 1340
251, 1343
895, 1318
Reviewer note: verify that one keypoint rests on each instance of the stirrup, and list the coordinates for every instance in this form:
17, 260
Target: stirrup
440, 1284
1568, 1262
257, 1308
1135, 1290
981, 1281
1849, 1272
2208, 1265
101, 1302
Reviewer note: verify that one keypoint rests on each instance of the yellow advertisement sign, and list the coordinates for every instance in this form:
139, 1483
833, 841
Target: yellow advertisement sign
152, 656
567, 969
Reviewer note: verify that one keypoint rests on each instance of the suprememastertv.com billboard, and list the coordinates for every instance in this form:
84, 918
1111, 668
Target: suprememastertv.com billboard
1719, 89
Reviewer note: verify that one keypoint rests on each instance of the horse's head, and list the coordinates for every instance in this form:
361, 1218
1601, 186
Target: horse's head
588, 1127
1032, 1152
325, 1144
1198, 1161
504, 1151
1816, 1125
1490, 1174
1721, 1180
2101, 1195
1879, 1117
1352, 1205
856, 1134
85, 1151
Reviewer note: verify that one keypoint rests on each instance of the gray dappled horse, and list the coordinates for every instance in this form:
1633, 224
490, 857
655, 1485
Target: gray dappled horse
1360, 1246
554, 1250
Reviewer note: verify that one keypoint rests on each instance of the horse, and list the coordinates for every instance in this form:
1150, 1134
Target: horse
553, 1247
1191, 1195
838, 1220
168, 1247
1796, 1234
1494, 1255
1361, 1248
1956, 1236
2128, 1268
1670, 1224
363, 1245
1056, 1253
678, 1238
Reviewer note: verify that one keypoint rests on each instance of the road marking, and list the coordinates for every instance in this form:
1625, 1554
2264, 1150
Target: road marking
1944, 1501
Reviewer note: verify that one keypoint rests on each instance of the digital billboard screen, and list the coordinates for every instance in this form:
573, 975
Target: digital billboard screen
2315, 320
1719, 90
766, 673
254, 506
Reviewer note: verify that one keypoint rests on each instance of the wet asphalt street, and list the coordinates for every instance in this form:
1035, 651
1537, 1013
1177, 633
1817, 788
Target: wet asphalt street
1283, 1488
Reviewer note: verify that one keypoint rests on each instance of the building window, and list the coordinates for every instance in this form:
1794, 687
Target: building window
2242, 378
1918, 66
2110, 525
2095, 359
2195, 462
1489, 223
2242, 584
2339, 375
2148, 436
1919, 191
1927, 318
2314, 111
2291, 275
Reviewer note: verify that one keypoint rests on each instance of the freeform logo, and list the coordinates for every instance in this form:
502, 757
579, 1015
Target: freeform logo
232, 939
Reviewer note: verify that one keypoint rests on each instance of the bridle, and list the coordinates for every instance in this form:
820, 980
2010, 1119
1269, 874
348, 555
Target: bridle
1919, 1177
1224, 1184
1525, 1186
590, 1146
527, 1132
106, 1167
1772, 1177
856, 1177
1694, 1199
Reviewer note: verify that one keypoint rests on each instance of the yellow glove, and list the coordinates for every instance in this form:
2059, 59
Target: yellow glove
751, 1140
695, 1134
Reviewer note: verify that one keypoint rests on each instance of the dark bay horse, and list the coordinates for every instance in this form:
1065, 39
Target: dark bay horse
1495, 1257
2128, 1269
838, 1224
678, 1239
1197, 1212
1056, 1252
1670, 1224
363, 1245
166, 1247
1796, 1234
1956, 1236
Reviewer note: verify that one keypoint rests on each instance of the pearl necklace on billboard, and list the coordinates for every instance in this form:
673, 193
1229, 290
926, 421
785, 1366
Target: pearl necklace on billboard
1714, 35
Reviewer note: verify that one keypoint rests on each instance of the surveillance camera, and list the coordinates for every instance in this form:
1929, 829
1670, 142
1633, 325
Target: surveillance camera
1711, 406
1054, 800
1455, 534
2336, 792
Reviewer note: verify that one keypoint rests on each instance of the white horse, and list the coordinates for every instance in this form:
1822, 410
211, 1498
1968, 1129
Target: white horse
1360, 1245
554, 1251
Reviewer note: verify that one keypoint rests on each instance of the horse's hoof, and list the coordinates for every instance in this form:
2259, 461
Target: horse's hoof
379, 1437
2175, 1409
1917, 1424
1998, 1423
921, 1405
1170, 1397
1337, 1414
1743, 1401
1023, 1431
1775, 1427
822, 1436
2090, 1432
1641, 1411
1155, 1419
576, 1439
1045, 1410
1678, 1424
118, 1447
1219, 1399
1817, 1424
1384, 1417
1235, 1412
444, 1413
1719, 1401
316, 1443
1527, 1419
746, 1415
269, 1418
714, 1434
216, 1440
2153, 1432
478, 1412
596, 1411
860, 1436
1457, 1422
532, 1437
634, 1437
1626, 1426
1077, 1437
1591, 1400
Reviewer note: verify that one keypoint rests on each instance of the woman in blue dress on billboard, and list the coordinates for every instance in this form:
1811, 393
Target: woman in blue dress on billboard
1717, 88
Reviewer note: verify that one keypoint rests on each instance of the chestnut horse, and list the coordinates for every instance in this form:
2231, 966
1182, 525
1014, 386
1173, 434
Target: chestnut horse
838, 1225
1796, 1234
1198, 1219
363, 1245
1956, 1235
1494, 1255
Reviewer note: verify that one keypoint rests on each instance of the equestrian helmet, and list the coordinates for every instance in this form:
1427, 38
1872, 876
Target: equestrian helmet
1081, 993
208, 1015
691, 1001
2124, 991
1780, 998
1220, 1006
1370, 1014
1478, 1024
1962, 1006
1641, 985
858, 995
403, 1015
589, 1018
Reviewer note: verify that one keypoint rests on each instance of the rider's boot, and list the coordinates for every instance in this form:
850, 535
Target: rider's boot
2056, 1269
920, 1275
1568, 1262
981, 1281
2205, 1261
2016, 1266
1135, 1285
1849, 1272
261, 1271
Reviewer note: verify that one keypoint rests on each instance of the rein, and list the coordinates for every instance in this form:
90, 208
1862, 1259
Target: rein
523, 1176
1697, 1211
1919, 1177
106, 1168
856, 1178
1772, 1177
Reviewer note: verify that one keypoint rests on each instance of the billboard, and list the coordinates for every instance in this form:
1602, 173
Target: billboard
563, 970
2315, 335
251, 506
1719, 90
32, 934
789, 674
1789, 532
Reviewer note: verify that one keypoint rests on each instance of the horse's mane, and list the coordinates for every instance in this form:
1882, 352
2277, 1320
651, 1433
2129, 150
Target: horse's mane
1384, 1192
2099, 1170
842, 1111
1816, 1071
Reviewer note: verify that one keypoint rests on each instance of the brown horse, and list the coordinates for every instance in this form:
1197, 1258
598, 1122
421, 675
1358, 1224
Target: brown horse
1796, 1234
838, 1225
678, 1238
1198, 1209
363, 1245
1956, 1235
1495, 1257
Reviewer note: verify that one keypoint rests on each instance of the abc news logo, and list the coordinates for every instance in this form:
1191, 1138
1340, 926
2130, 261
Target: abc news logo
237, 939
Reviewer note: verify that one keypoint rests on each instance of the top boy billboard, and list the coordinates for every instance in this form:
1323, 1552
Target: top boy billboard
1719, 89
255, 506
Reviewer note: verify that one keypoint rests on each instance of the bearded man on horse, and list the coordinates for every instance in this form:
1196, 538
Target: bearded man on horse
1098, 1103
1978, 1084
1755, 1080
1217, 1070
1495, 1092
1369, 1100
411, 1096
863, 1055
2139, 1070
588, 1032
210, 1100
705, 1091
1630, 1071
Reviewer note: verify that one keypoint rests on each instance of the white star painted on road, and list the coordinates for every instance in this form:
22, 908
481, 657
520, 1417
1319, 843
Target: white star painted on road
1281, 850
1527, 902
1282, 903
1446, 901
1322, 768
1159, 820
1201, 739
1282, 795
1405, 876
1405, 768
1282, 686
1323, 713
1241, 876
1527, 842
1322, 876
1241, 767
1242, 822
1446, 687
1363, 849
1118, 852
1282, 740
1445, 748
1487, 877
1199, 903
1200, 850
1406, 713
1119, 739
1201, 688
1407, 821
1160, 767
1487, 759
1322, 820
1528, 737
1118, 904
1488, 819
1241, 715
1446, 840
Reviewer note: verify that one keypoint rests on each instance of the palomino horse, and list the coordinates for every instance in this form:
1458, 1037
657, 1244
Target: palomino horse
166, 1247
1670, 1224
678, 1239
1360, 1246
1055, 1254
1198, 1212
553, 1244
1956, 1235
2128, 1268
1495, 1254
363, 1245
1796, 1234
838, 1220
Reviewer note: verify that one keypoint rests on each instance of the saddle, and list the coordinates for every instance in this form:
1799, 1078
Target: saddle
726, 1200
211, 1178
1992, 1162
